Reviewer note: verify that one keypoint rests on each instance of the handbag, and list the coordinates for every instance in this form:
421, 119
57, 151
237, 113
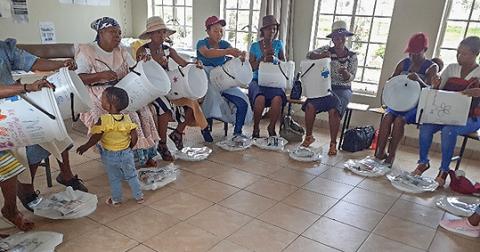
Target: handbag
296, 92
357, 139
291, 130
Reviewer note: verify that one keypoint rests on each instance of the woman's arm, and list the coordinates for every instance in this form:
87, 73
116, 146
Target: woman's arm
398, 69
90, 79
214, 53
52, 65
253, 61
430, 76
177, 58
18, 88
473, 92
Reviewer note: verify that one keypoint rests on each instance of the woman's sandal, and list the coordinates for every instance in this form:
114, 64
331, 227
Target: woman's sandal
177, 138
421, 168
308, 141
18, 220
109, 201
140, 201
332, 151
165, 152
441, 178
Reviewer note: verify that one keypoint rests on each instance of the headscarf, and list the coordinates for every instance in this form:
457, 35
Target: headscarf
103, 23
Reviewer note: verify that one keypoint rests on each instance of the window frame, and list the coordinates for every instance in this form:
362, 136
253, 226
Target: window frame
250, 31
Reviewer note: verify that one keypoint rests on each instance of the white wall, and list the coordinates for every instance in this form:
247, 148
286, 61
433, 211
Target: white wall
72, 22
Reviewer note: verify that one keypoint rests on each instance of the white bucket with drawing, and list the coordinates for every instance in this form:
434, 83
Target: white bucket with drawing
146, 82
187, 82
401, 94
30, 119
70, 93
316, 77
234, 73
443, 107
276, 75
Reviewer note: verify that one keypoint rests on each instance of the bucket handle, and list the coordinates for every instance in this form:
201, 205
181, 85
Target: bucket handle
227, 73
72, 108
180, 70
313, 64
38, 107
283, 72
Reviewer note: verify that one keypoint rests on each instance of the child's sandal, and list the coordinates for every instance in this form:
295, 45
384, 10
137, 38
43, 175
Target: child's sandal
140, 201
109, 201
308, 141
332, 151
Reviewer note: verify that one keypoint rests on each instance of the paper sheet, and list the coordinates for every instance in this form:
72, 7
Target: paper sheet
47, 33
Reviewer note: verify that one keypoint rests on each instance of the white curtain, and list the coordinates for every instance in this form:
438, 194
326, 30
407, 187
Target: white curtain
283, 10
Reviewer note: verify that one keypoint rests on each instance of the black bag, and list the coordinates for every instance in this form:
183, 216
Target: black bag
291, 130
296, 91
357, 139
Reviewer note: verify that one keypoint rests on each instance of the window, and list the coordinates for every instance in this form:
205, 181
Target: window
178, 15
370, 21
242, 21
463, 20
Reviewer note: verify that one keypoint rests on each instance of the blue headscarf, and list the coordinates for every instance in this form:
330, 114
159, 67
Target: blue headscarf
103, 23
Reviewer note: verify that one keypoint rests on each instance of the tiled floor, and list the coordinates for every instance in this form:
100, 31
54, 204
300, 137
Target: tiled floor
261, 201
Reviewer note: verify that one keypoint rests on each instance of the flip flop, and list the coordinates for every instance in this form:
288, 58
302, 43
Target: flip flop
109, 201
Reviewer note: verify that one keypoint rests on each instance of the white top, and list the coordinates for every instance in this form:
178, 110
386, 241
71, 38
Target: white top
85, 66
454, 70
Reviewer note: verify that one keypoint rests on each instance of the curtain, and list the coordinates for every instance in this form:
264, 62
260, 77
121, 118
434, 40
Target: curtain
283, 10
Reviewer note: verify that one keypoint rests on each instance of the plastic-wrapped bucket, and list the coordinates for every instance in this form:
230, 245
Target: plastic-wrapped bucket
70, 93
401, 94
187, 82
276, 75
29, 119
145, 83
316, 77
234, 73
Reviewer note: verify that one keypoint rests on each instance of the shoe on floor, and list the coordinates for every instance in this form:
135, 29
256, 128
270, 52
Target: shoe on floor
461, 226
75, 183
207, 136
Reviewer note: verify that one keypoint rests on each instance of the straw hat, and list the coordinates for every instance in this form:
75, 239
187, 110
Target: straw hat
269, 20
340, 28
155, 23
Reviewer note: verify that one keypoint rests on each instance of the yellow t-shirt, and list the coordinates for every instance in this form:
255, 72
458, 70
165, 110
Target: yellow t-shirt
116, 131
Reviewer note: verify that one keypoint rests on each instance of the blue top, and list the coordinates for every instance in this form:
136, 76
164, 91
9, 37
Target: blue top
421, 72
218, 61
13, 58
255, 49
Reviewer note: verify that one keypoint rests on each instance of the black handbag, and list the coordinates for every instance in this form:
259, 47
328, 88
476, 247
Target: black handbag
296, 91
357, 139
291, 130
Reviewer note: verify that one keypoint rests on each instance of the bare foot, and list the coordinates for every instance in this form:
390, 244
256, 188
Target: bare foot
18, 219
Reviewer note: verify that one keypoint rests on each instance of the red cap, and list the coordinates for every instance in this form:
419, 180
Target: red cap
417, 43
214, 20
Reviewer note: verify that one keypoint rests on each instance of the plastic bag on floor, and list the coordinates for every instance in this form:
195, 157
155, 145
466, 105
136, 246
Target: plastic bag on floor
193, 154
367, 167
157, 177
31, 242
304, 154
463, 206
406, 182
69, 204
273, 143
236, 143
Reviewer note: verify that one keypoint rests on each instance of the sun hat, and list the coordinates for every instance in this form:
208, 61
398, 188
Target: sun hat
340, 28
417, 43
155, 23
212, 20
269, 20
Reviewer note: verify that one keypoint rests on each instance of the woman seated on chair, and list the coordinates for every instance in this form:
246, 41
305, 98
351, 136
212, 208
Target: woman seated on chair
343, 69
230, 105
419, 69
159, 33
271, 50
461, 77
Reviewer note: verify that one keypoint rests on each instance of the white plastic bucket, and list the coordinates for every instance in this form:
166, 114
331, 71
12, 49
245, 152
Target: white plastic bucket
70, 93
145, 83
316, 77
401, 94
234, 73
276, 75
23, 124
187, 82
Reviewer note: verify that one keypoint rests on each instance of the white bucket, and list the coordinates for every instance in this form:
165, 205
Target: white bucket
316, 77
23, 124
145, 83
401, 94
187, 82
276, 75
234, 73
70, 93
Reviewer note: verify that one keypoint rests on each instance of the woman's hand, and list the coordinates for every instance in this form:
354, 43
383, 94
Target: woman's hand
163, 61
474, 83
70, 63
413, 76
38, 85
436, 81
322, 55
107, 76
234, 52
344, 72
472, 92
144, 56
199, 64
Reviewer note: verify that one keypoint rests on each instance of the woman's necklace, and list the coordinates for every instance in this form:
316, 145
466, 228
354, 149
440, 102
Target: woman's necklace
118, 120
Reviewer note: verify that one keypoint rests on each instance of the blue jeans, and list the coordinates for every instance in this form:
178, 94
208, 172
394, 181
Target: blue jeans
119, 166
449, 139
242, 108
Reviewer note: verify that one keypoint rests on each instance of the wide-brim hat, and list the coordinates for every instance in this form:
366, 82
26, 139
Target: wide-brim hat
340, 28
268, 21
155, 23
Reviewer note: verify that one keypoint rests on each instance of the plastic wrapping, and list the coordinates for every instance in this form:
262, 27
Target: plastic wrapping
31, 242
158, 177
236, 143
406, 182
367, 167
69, 204
304, 154
273, 143
193, 154
463, 206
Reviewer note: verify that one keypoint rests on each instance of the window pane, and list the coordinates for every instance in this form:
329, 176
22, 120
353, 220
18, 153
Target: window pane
180, 11
474, 29
189, 17
365, 7
324, 25
231, 37
380, 29
460, 9
231, 18
255, 17
347, 19
243, 20
448, 56
322, 42
372, 75
384, 8
168, 14
362, 28
358, 76
244, 4
361, 50
476, 11
243, 39
167, 2
159, 10
364, 88
231, 3
257, 4
375, 55
180, 2
344, 6
454, 33
188, 2
327, 6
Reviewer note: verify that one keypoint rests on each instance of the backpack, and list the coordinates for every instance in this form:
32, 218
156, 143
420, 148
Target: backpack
357, 139
291, 130
296, 92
